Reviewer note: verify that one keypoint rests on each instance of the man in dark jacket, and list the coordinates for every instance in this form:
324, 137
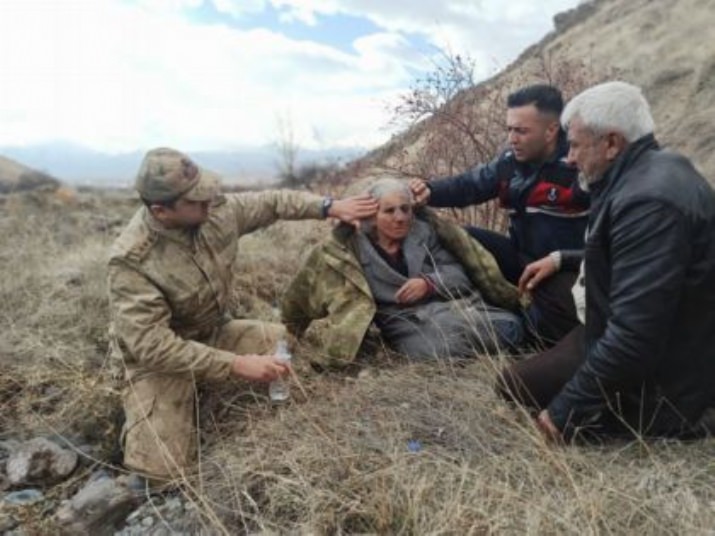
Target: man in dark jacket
548, 210
644, 361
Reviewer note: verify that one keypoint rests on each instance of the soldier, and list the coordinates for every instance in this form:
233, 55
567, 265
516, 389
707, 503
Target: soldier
170, 277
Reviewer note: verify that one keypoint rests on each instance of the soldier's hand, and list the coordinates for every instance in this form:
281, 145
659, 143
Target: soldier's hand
420, 191
536, 272
353, 209
412, 291
259, 368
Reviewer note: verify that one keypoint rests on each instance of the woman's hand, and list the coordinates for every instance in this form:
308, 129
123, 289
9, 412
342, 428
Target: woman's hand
413, 290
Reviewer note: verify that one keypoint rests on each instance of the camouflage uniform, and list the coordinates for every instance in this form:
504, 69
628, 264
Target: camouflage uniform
169, 293
332, 285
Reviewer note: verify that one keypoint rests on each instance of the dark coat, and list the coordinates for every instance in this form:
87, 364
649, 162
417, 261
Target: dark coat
454, 321
650, 299
548, 210
331, 285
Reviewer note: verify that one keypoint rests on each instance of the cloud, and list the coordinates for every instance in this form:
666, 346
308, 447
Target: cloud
228, 7
118, 76
237, 9
492, 31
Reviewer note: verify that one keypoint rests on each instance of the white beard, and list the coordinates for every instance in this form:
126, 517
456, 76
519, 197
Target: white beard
585, 181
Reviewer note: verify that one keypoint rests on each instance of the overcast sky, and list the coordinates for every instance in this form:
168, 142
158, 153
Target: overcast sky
119, 75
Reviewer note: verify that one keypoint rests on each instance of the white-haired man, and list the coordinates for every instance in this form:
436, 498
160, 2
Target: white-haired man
644, 360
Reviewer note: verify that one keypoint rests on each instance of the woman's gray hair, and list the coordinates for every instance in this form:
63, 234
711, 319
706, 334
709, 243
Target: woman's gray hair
382, 187
611, 107
378, 190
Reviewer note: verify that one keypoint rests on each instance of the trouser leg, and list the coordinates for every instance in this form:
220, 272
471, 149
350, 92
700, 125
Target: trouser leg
159, 433
535, 381
502, 249
552, 313
488, 329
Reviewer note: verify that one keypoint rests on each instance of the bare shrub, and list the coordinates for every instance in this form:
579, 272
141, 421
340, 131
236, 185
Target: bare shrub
398, 449
460, 124
287, 148
319, 175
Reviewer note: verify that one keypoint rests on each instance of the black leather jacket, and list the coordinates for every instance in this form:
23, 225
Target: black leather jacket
650, 300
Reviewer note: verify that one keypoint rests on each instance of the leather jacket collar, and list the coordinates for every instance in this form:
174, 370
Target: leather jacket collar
623, 161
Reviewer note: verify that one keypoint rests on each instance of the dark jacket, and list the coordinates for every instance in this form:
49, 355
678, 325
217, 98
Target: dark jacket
650, 299
548, 211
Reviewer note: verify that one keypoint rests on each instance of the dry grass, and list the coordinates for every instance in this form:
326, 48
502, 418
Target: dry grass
54, 312
338, 461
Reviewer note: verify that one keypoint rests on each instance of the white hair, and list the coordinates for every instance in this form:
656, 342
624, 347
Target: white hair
379, 189
388, 185
611, 107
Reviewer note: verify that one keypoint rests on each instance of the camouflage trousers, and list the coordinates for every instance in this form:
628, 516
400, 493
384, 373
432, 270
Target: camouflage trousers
159, 437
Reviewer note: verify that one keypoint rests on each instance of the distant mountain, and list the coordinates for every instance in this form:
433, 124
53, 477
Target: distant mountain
79, 165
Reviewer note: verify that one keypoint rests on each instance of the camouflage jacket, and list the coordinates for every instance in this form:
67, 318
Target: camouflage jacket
331, 285
169, 289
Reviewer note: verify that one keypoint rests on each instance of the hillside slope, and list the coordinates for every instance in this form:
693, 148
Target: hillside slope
660, 45
663, 47
16, 177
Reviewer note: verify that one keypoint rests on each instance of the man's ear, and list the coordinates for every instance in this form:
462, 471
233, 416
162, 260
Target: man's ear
615, 145
159, 212
552, 130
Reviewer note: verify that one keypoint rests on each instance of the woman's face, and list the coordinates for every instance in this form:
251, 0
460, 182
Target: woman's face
394, 216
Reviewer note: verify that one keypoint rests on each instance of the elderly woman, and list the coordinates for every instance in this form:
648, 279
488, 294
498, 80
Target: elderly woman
432, 290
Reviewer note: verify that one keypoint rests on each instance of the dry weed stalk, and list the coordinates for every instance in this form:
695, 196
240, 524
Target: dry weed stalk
452, 135
340, 462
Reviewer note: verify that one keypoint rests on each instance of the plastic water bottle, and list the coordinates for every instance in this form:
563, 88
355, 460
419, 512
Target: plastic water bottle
279, 390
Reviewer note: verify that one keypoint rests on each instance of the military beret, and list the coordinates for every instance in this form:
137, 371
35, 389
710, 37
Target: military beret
167, 174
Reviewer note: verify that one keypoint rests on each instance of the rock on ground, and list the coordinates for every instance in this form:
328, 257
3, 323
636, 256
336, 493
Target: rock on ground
39, 461
99, 507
